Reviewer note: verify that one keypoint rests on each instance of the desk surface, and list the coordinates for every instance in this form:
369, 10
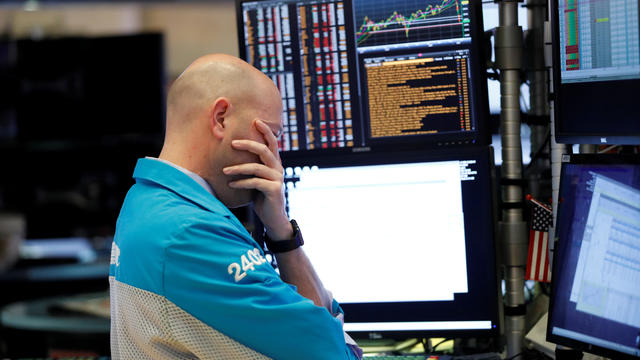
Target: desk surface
56, 273
47, 315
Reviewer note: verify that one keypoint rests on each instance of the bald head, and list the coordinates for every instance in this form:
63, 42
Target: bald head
216, 100
211, 77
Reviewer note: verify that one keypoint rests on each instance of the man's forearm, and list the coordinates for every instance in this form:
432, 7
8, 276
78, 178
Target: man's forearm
296, 269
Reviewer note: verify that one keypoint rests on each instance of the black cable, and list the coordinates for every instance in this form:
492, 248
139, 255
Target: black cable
424, 345
440, 343
538, 153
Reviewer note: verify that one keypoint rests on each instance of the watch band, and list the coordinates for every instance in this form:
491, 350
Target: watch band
285, 245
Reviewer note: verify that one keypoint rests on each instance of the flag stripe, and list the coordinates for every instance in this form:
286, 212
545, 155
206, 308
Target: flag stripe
536, 252
530, 256
538, 257
543, 255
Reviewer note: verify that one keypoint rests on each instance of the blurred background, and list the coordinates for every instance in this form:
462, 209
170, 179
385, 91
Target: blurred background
82, 87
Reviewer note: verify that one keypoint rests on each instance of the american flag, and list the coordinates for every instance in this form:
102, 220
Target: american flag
538, 261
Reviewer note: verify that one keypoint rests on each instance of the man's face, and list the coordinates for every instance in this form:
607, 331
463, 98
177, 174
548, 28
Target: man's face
244, 127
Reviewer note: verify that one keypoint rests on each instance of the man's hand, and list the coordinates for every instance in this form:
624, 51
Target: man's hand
267, 178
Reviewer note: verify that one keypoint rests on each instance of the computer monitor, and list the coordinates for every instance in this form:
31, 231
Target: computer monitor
422, 72
370, 79
404, 241
82, 88
306, 47
595, 298
596, 71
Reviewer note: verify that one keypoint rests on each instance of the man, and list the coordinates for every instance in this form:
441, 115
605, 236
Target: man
187, 280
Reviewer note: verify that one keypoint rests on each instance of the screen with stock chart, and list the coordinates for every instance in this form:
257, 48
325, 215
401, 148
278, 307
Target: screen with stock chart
399, 24
303, 47
419, 70
368, 75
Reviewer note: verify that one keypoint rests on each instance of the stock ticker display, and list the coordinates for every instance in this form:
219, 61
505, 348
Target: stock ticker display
302, 46
367, 74
418, 94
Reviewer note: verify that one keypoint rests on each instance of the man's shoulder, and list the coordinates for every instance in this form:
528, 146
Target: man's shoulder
155, 214
156, 208
154, 220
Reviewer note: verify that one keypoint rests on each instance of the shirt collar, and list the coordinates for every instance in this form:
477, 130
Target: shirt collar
191, 174
173, 179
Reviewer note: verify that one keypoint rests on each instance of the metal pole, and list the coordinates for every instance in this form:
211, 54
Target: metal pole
588, 148
512, 230
536, 70
537, 75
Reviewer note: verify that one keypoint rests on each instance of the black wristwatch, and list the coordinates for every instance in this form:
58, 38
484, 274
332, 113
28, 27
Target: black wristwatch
286, 245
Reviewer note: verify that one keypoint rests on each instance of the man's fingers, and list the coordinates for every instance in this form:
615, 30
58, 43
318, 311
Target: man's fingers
265, 154
254, 169
263, 185
269, 137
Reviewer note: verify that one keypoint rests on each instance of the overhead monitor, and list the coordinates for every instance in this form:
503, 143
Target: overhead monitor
596, 71
595, 298
405, 244
395, 24
422, 74
388, 75
306, 47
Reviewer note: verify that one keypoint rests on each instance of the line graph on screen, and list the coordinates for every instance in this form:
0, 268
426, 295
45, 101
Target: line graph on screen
398, 22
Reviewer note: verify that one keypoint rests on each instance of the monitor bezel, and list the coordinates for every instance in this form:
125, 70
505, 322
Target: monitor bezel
381, 158
560, 248
574, 136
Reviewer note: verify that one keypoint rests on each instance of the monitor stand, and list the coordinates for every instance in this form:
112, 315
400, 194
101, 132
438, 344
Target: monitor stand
563, 353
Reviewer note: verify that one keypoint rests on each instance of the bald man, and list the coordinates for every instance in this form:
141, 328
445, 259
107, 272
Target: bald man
187, 280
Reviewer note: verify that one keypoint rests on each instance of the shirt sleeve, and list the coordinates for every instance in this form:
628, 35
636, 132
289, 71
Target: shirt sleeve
217, 274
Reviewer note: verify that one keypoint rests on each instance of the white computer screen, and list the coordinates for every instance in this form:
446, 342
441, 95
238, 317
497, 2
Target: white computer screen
408, 217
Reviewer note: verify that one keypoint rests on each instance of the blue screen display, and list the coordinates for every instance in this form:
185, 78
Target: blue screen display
596, 294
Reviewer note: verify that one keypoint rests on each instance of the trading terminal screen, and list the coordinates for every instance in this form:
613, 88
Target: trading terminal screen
596, 64
601, 40
391, 74
413, 238
595, 302
384, 24
418, 93
420, 73
303, 47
